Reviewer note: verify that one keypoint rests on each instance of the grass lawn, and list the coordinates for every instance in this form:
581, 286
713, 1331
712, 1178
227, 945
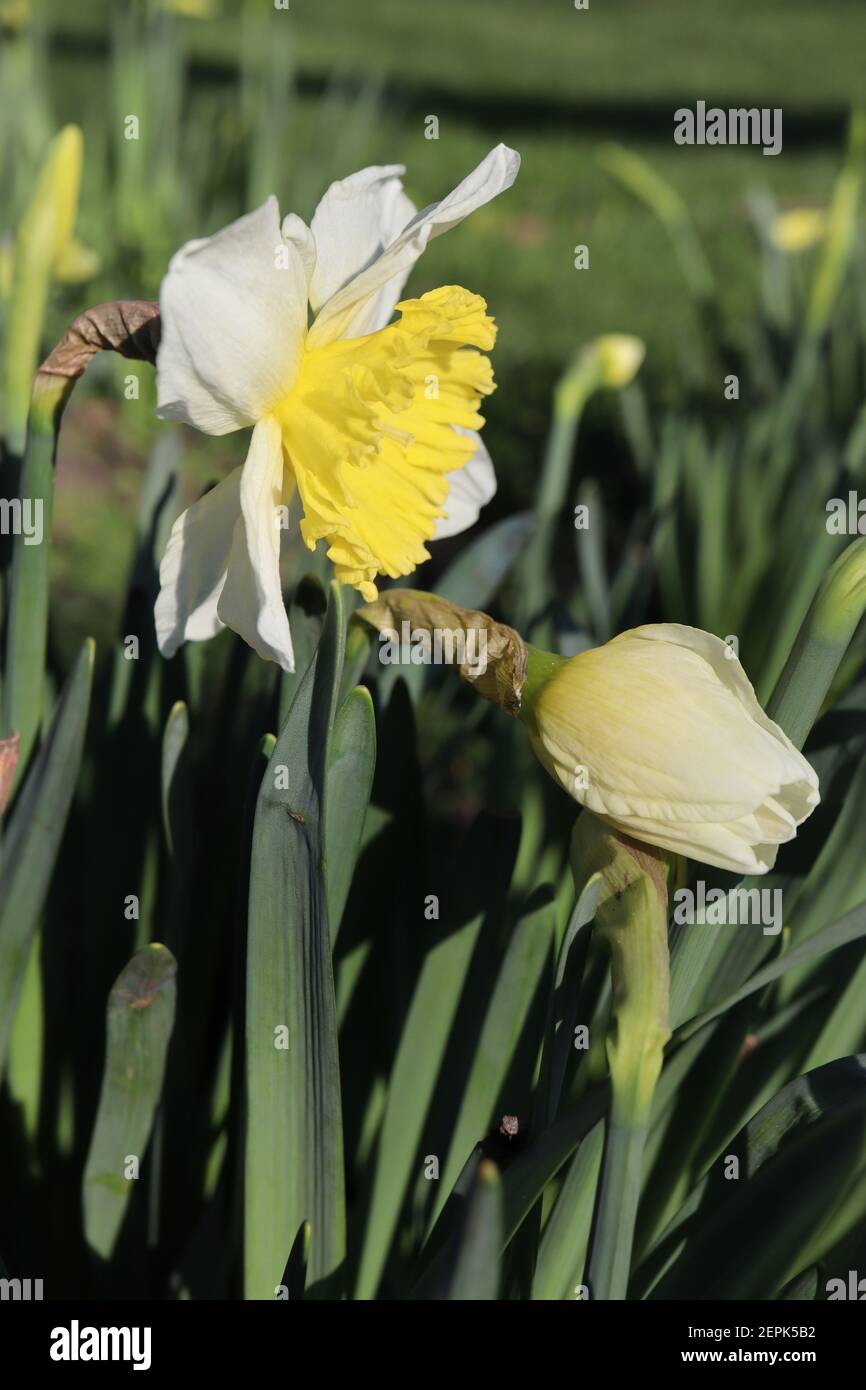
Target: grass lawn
555, 83
800, 53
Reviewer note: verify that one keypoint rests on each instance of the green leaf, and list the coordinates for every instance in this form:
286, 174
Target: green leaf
351, 764
837, 878
173, 741
474, 577
307, 622
478, 1270
134, 691
34, 835
565, 1002
294, 1139
523, 1182
841, 231
590, 546
572, 391
845, 1030
27, 619
423, 1044
295, 1273
805, 1287
802, 1163
420, 1054
139, 1024
851, 927
526, 1179
24, 1057
821, 643
359, 644
518, 979
695, 1082
562, 1253
640, 178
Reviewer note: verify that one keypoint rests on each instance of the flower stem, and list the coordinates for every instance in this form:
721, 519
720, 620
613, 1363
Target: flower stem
617, 1203
631, 918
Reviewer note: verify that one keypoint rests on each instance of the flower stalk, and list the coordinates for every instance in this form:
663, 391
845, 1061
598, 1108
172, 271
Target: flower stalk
631, 919
610, 362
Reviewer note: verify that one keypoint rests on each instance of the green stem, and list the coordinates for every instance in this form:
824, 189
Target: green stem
618, 1197
631, 918
572, 392
540, 666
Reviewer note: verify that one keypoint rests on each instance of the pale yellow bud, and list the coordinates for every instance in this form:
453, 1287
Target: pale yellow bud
620, 358
798, 229
660, 734
15, 14
611, 361
41, 240
48, 222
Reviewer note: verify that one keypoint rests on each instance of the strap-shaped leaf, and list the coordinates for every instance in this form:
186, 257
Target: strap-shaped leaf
139, 1024
744, 1233
478, 1264
34, 835
294, 1139
351, 763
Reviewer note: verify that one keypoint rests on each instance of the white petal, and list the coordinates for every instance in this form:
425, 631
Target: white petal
340, 315
251, 602
355, 221
296, 231
234, 315
802, 793
469, 489
728, 846
193, 569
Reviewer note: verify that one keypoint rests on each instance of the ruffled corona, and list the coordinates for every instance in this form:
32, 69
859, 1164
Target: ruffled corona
368, 432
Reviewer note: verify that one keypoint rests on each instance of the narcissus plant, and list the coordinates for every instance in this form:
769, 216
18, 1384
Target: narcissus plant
374, 424
657, 732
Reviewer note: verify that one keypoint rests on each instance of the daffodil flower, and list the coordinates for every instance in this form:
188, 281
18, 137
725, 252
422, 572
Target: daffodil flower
373, 422
660, 734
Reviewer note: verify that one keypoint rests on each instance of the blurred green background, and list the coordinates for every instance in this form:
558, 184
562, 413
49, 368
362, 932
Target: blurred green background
236, 100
